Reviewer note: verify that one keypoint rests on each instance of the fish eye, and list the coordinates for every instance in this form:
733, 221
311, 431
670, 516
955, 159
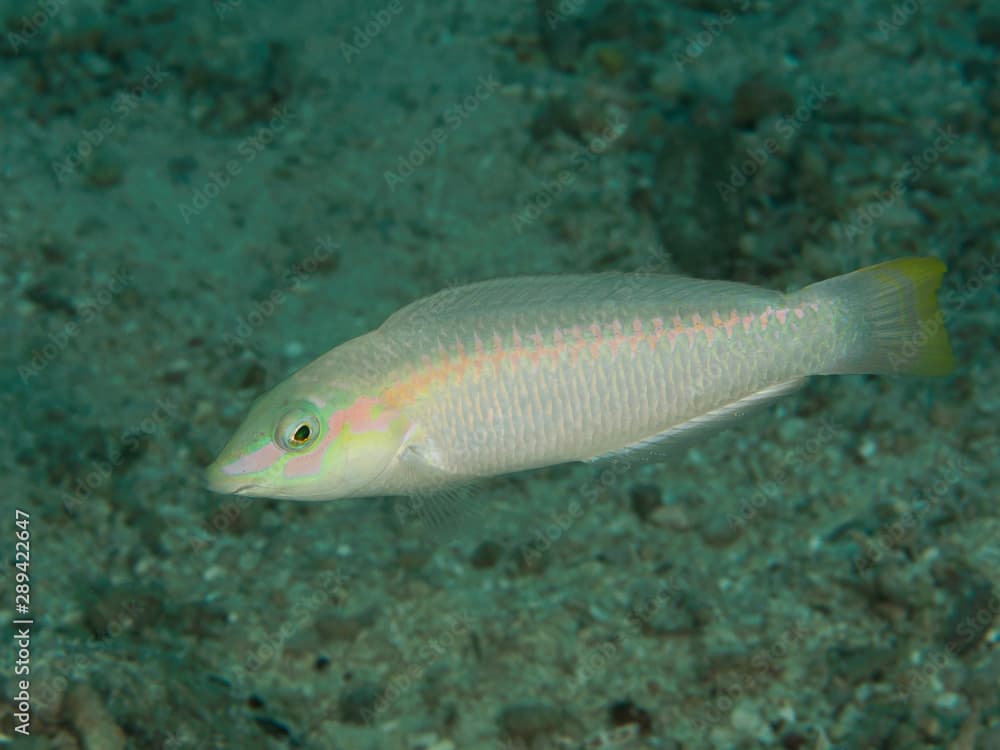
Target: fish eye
297, 430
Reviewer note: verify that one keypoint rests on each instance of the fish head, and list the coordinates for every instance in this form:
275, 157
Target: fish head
299, 447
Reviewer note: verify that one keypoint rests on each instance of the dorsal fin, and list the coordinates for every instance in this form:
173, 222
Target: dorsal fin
522, 293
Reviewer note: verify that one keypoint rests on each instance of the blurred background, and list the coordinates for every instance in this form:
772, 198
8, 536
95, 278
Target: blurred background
197, 199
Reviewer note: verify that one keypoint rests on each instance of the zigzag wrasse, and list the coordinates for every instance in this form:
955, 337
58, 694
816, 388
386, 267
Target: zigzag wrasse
515, 374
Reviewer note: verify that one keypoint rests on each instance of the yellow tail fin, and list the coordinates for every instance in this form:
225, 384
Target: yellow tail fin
899, 310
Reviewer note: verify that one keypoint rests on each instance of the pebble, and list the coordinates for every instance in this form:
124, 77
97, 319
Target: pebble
719, 531
486, 555
357, 703
988, 30
646, 500
90, 719
748, 722
757, 98
528, 722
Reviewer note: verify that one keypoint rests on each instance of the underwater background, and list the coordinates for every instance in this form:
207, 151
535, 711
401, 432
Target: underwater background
198, 198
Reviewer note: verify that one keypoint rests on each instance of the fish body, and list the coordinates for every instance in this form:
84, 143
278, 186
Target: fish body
514, 374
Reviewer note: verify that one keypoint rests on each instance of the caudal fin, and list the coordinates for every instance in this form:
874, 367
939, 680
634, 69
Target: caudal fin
903, 327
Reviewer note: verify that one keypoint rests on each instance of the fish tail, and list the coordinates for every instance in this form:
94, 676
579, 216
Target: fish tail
894, 317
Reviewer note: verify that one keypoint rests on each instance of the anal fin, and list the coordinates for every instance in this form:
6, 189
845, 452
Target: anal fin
680, 436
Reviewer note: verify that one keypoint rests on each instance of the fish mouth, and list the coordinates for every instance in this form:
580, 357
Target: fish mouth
224, 484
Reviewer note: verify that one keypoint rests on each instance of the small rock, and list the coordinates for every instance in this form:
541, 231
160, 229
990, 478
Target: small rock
90, 719
103, 171
662, 611
50, 298
646, 500
528, 722
562, 35
117, 611
96, 65
412, 555
746, 720
988, 739
757, 98
486, 555
942, 415
246, 375
556, 116
431, 741
333, 624
719, 531
273, 727
530, 558
988, 30
611, 58
792, 430
867, 448
974, 608
357, 703
674, 516
624, 713
675, 619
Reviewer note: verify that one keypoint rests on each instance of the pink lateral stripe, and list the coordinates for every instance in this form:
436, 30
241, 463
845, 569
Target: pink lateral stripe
258, 460
658, 332
308, 464
615, 337
637, 336
734, 318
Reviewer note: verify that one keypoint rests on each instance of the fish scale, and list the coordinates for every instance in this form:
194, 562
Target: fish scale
623, 396
520, 373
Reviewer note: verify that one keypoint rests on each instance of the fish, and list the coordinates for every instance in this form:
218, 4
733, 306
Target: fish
514, 374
